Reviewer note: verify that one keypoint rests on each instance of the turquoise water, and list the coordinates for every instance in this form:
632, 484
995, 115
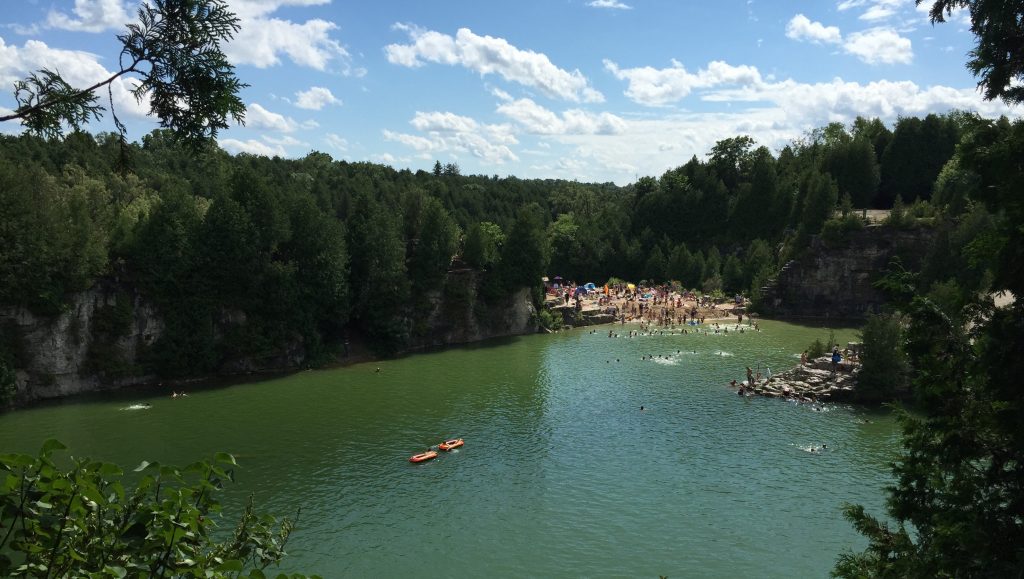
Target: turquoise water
561, 474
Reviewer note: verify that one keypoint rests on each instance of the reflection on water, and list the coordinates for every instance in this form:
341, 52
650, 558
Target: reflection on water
561, 472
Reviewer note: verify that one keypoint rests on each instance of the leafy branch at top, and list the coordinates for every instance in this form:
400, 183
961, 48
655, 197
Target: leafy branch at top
174, 51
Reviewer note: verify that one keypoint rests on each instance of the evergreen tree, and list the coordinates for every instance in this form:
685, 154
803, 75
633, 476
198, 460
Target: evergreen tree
819, 195
380, 282
437, 242
656, 266
483, 244
960, 482
524, 255
680, 265
884, 368
732, 275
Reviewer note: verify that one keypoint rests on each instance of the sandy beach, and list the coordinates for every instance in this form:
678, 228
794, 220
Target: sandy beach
655, 306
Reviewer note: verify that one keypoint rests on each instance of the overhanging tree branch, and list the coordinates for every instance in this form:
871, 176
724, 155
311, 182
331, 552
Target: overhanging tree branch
191, 86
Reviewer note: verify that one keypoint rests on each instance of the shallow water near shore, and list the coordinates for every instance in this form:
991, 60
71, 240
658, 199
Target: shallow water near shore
562, 474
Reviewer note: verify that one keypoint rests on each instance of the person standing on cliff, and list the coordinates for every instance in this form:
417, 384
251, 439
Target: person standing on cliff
803, 358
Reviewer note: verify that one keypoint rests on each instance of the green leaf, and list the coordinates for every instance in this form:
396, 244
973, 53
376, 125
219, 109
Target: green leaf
17, 460
107, 470
142, 466
51, 445
225, 457
230, 565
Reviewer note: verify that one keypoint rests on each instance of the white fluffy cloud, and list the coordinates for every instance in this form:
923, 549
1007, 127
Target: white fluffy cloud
539, 120
252, 147
801, 28
337, 141
451, 133
655, 87
809, 105
257, 117
882, 10
609, 4
262, 42
880, 46
316, 98
488, 55
92, 16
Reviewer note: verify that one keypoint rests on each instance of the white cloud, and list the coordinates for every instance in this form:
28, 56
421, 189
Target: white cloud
451, 133
810, 105
316, 98
443, 122
879, 11
488, 55
252, 147
336, 141
284, 141
257, 117
609, 4
539, 120
656, 87
261, 42
880, 46
91, 16
801, 28
502, 95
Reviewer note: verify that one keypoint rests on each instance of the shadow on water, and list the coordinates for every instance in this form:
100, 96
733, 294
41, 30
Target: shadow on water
152, 391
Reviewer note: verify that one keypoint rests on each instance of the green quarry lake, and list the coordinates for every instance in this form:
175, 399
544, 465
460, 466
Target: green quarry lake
561, 473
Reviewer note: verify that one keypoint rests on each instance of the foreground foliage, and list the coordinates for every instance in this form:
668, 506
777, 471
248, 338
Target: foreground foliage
957, 506
86, 521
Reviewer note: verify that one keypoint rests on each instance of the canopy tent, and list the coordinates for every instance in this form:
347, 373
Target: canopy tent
590, 287
630, 286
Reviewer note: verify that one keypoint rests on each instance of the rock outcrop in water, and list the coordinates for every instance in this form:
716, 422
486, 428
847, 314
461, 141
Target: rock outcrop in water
815, 381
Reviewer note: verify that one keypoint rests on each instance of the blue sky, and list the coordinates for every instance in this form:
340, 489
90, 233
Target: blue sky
594, 90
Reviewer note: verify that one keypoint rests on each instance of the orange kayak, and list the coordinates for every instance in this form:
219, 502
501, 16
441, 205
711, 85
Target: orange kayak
423, 456
450, 444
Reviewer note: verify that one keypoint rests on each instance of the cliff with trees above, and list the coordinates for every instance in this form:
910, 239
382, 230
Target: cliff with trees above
240, 263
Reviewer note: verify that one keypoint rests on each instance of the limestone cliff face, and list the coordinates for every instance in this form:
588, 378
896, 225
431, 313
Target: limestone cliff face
59, 355
457, 314
836, 282
97, 342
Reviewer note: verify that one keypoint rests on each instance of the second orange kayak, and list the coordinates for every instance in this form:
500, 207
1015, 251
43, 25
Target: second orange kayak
450, 444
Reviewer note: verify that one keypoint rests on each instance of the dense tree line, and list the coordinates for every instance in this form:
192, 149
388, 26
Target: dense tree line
244, 254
